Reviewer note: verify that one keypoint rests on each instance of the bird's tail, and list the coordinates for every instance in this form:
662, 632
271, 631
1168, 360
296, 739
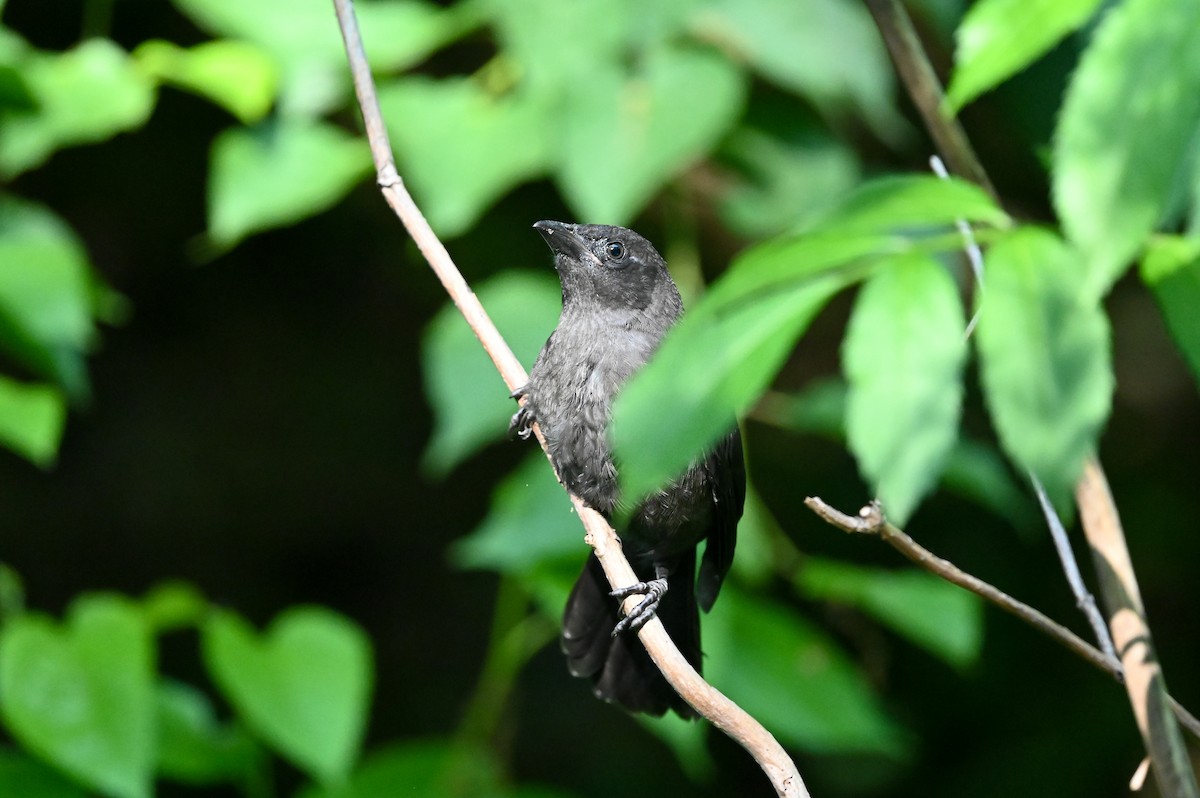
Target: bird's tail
619, 667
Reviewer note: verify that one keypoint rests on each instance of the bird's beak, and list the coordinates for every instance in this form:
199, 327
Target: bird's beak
562, 238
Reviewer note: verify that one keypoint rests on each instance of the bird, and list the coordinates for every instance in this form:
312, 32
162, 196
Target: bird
618, 303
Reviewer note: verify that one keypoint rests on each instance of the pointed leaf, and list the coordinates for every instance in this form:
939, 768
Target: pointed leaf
999, 38
1044, 357
462, 147
237, 75
1172, 270
626, 136
81, 695
279, 173
304, 685
32, 418
1131, 112
903, 357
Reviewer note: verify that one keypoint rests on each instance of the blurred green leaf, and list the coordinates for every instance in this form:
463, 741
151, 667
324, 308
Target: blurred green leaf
15, 94
84, 95
910, 203
278, 173
302, 35
45, 293
304, 685
1171, 268
471, 406
710, 368
529, 522
80, 695
193, 747
22, 777
903, 356
940, 617
793, 679
1130, 114
237, 75
627, 135
32, 418
999, 38
977, 471
462, 147
424, 767
687, 740
803, 45
174, 605
783, 185
1044, 357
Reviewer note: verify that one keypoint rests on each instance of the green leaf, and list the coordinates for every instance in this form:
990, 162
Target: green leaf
999, 38
174, 605
462, 147
912, 203
687, 740
710, 368
1131, 112
1172, 270
470, 404
278, 173
802, 45
422, 767
978, 472
627, 135
530, 522
793, 679
302, 36
32, 418
28, 778
45, 293
193, 747
304, 685
237, 75
83, 95
903, 356
80, 696
1044, 357
940, 617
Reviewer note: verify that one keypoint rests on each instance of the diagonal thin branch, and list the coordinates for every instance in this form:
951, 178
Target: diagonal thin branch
709, 702
871, 521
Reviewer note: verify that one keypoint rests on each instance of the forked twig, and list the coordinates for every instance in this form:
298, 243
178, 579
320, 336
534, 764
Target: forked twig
709, 702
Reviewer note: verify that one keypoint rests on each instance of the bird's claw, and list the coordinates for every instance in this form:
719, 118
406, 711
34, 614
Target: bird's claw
521, 424
653, 591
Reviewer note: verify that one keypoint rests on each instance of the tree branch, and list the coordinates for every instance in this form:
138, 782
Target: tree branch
871, 521
719, 710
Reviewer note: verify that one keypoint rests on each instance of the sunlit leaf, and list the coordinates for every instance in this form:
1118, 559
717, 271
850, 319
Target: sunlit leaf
279, 173
627, 135
1172, 270
45, 293
237, 75
793, 679
80, 695
903, 357
802, 45
31, 420
936, 615
1131, 112
1044, 357
710, 368
471, 406
999, 38
530, 521
462, 147
912, 202
193, 747
304, 685
86, 94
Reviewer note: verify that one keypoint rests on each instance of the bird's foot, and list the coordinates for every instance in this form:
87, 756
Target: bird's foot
653, 591
521, 425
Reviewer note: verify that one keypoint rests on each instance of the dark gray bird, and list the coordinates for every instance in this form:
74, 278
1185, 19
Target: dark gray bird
618, 301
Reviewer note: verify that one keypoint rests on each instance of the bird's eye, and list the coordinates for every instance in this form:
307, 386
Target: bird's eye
615, 250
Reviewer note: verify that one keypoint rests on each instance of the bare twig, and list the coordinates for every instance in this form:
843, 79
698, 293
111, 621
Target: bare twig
1127, 619
871, 521
709, 702
1083, 597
